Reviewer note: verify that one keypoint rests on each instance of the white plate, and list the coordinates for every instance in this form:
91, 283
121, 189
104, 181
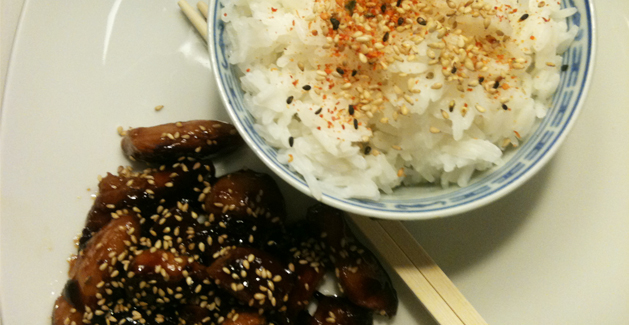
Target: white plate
556, 251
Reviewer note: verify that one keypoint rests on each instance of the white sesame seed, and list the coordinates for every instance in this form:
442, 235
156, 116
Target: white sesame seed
362, 58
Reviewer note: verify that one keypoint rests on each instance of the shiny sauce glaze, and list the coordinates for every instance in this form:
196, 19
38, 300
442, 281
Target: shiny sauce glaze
174, 244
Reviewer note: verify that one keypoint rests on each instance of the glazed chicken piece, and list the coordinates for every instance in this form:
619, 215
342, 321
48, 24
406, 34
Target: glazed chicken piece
161, 278
174, 245
143, 192
64, 313
339, 311
215, 239
308, 279
180, 228
98, 264
176, 228
168, 142
196, 315
243, 209
245, 317
136, 316
306, 258
248, 195
360, 275
254, 277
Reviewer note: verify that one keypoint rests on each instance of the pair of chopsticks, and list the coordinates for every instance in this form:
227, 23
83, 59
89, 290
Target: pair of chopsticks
198, 21
396, 245
435, 290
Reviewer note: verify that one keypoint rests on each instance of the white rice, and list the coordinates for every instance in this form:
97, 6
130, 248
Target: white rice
416, 131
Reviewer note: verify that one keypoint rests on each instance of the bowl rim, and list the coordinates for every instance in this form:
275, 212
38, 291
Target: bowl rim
532, 170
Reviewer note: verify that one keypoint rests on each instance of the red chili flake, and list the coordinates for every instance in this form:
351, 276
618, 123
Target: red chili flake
533, 37
546, 20
517, 134
293, 23
225, 15
248, 70
295, 82
318, 128
273, 9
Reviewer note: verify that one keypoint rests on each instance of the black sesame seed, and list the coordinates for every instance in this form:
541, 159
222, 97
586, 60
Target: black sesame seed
318, 111
354, 72
451, 108
400, 21
350, 6
335, 23
291, 141
306, 87
453, 70
367, 150
564, 67
523, 18
289, 100
496, 84
399, 2
356, 124
504, 106
383, 8
385, 37
351, 109
480, 80
421, 21
340, 71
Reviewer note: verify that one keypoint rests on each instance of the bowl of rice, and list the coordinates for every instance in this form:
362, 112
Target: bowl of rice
403, 109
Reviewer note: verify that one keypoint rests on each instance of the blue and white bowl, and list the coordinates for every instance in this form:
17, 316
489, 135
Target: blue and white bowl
422, 202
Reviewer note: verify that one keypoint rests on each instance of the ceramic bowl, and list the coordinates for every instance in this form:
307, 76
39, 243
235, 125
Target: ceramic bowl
422, 202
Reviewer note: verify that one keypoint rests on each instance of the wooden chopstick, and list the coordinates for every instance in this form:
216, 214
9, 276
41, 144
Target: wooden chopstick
203, 8
432, 287
195, 18
432, 272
